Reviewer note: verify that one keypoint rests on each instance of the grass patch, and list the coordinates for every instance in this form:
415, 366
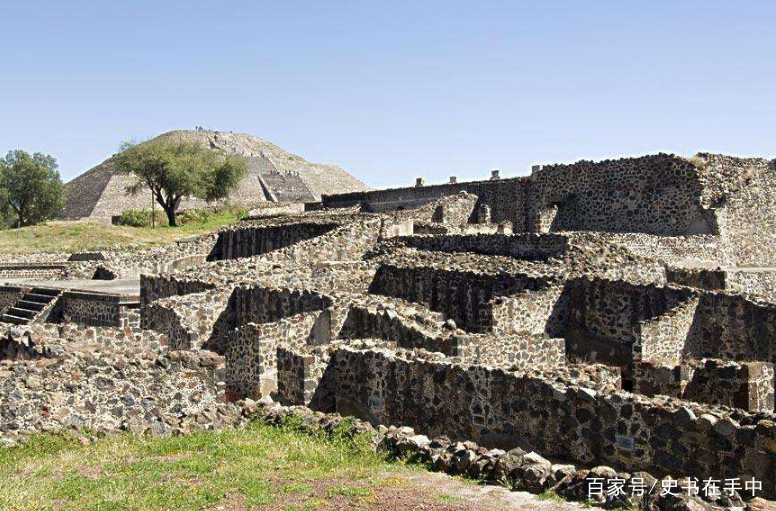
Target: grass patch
350, 491
67, 236
551, 496
259, 464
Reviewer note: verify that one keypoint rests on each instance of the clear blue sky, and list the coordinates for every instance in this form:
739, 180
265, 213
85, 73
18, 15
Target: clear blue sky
394, 90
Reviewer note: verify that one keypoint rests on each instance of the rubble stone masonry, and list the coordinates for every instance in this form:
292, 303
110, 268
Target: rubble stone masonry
618, 315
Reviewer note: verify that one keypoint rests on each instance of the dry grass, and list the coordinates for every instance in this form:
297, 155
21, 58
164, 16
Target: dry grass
65, 236
258, 467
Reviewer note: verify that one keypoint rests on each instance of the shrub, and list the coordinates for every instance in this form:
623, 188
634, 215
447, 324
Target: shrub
191, 216
205, 215
140, 218
178, 169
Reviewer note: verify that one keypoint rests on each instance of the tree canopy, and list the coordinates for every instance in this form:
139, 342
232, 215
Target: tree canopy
173, 170
30, 187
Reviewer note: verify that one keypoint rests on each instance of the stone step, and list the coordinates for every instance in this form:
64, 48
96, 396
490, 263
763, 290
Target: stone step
8, 318
22, 313
40, 298
45, 291
30, 305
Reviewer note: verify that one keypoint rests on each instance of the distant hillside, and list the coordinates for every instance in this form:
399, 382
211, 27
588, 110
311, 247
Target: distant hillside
273, 175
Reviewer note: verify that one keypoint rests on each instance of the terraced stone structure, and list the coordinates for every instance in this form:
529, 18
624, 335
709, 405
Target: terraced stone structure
585, 313
273, 176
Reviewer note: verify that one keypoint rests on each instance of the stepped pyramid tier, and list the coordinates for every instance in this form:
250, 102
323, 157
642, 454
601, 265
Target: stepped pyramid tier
273, 175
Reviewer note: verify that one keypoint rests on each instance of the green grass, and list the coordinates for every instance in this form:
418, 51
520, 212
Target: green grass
258, 465
551, 496
63, 236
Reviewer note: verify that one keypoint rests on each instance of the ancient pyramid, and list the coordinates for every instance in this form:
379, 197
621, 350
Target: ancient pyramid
273, 175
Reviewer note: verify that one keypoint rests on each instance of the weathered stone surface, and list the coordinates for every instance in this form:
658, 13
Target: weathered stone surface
273, 175
492, 354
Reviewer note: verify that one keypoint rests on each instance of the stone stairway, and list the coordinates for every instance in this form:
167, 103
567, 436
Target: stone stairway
30, 306
285, 188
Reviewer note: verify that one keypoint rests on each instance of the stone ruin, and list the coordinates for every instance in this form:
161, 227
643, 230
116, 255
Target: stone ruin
275, 180
617, 314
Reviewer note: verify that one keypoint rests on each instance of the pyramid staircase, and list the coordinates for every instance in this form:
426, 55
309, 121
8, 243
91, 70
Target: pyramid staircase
285, 188
32, 305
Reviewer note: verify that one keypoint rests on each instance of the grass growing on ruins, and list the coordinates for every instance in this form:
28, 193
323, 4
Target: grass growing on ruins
63, 236
257, 466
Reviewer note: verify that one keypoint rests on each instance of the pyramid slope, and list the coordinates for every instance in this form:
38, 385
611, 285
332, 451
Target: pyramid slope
319, 178
101, 193
83, 193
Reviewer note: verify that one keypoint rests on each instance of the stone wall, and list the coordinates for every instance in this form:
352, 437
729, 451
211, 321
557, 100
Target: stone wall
127, 264
701, 278
536, 312
193, 320
662, 336
244, 241
165, 319
349, 242
466, 297
657, 194
755, 282
301, 378
96, 309
730, 327
535, 352
294, 370
521, 246
44, 271
9, 295
20, 345
760, 283
262, 305
251, 353
156, 287
452, 211
364, 322
267, 209
740, 189
184, 262
617, 322
697, 249
99, 388
108, 263
506, 198
497, 408
746, 385
710, 208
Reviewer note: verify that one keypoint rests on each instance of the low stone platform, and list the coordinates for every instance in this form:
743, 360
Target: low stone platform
85, 302
123, 287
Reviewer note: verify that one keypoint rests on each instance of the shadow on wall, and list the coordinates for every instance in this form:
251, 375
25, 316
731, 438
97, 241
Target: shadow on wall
465, 297
615, 323
656, 194
250, 241
571, 214
263, 305
733, 328
219, 335
324, 397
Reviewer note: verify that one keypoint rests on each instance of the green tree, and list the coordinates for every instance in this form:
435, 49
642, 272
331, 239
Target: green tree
173, 170
30, 187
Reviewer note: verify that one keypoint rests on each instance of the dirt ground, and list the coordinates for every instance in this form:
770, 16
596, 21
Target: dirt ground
406, 491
